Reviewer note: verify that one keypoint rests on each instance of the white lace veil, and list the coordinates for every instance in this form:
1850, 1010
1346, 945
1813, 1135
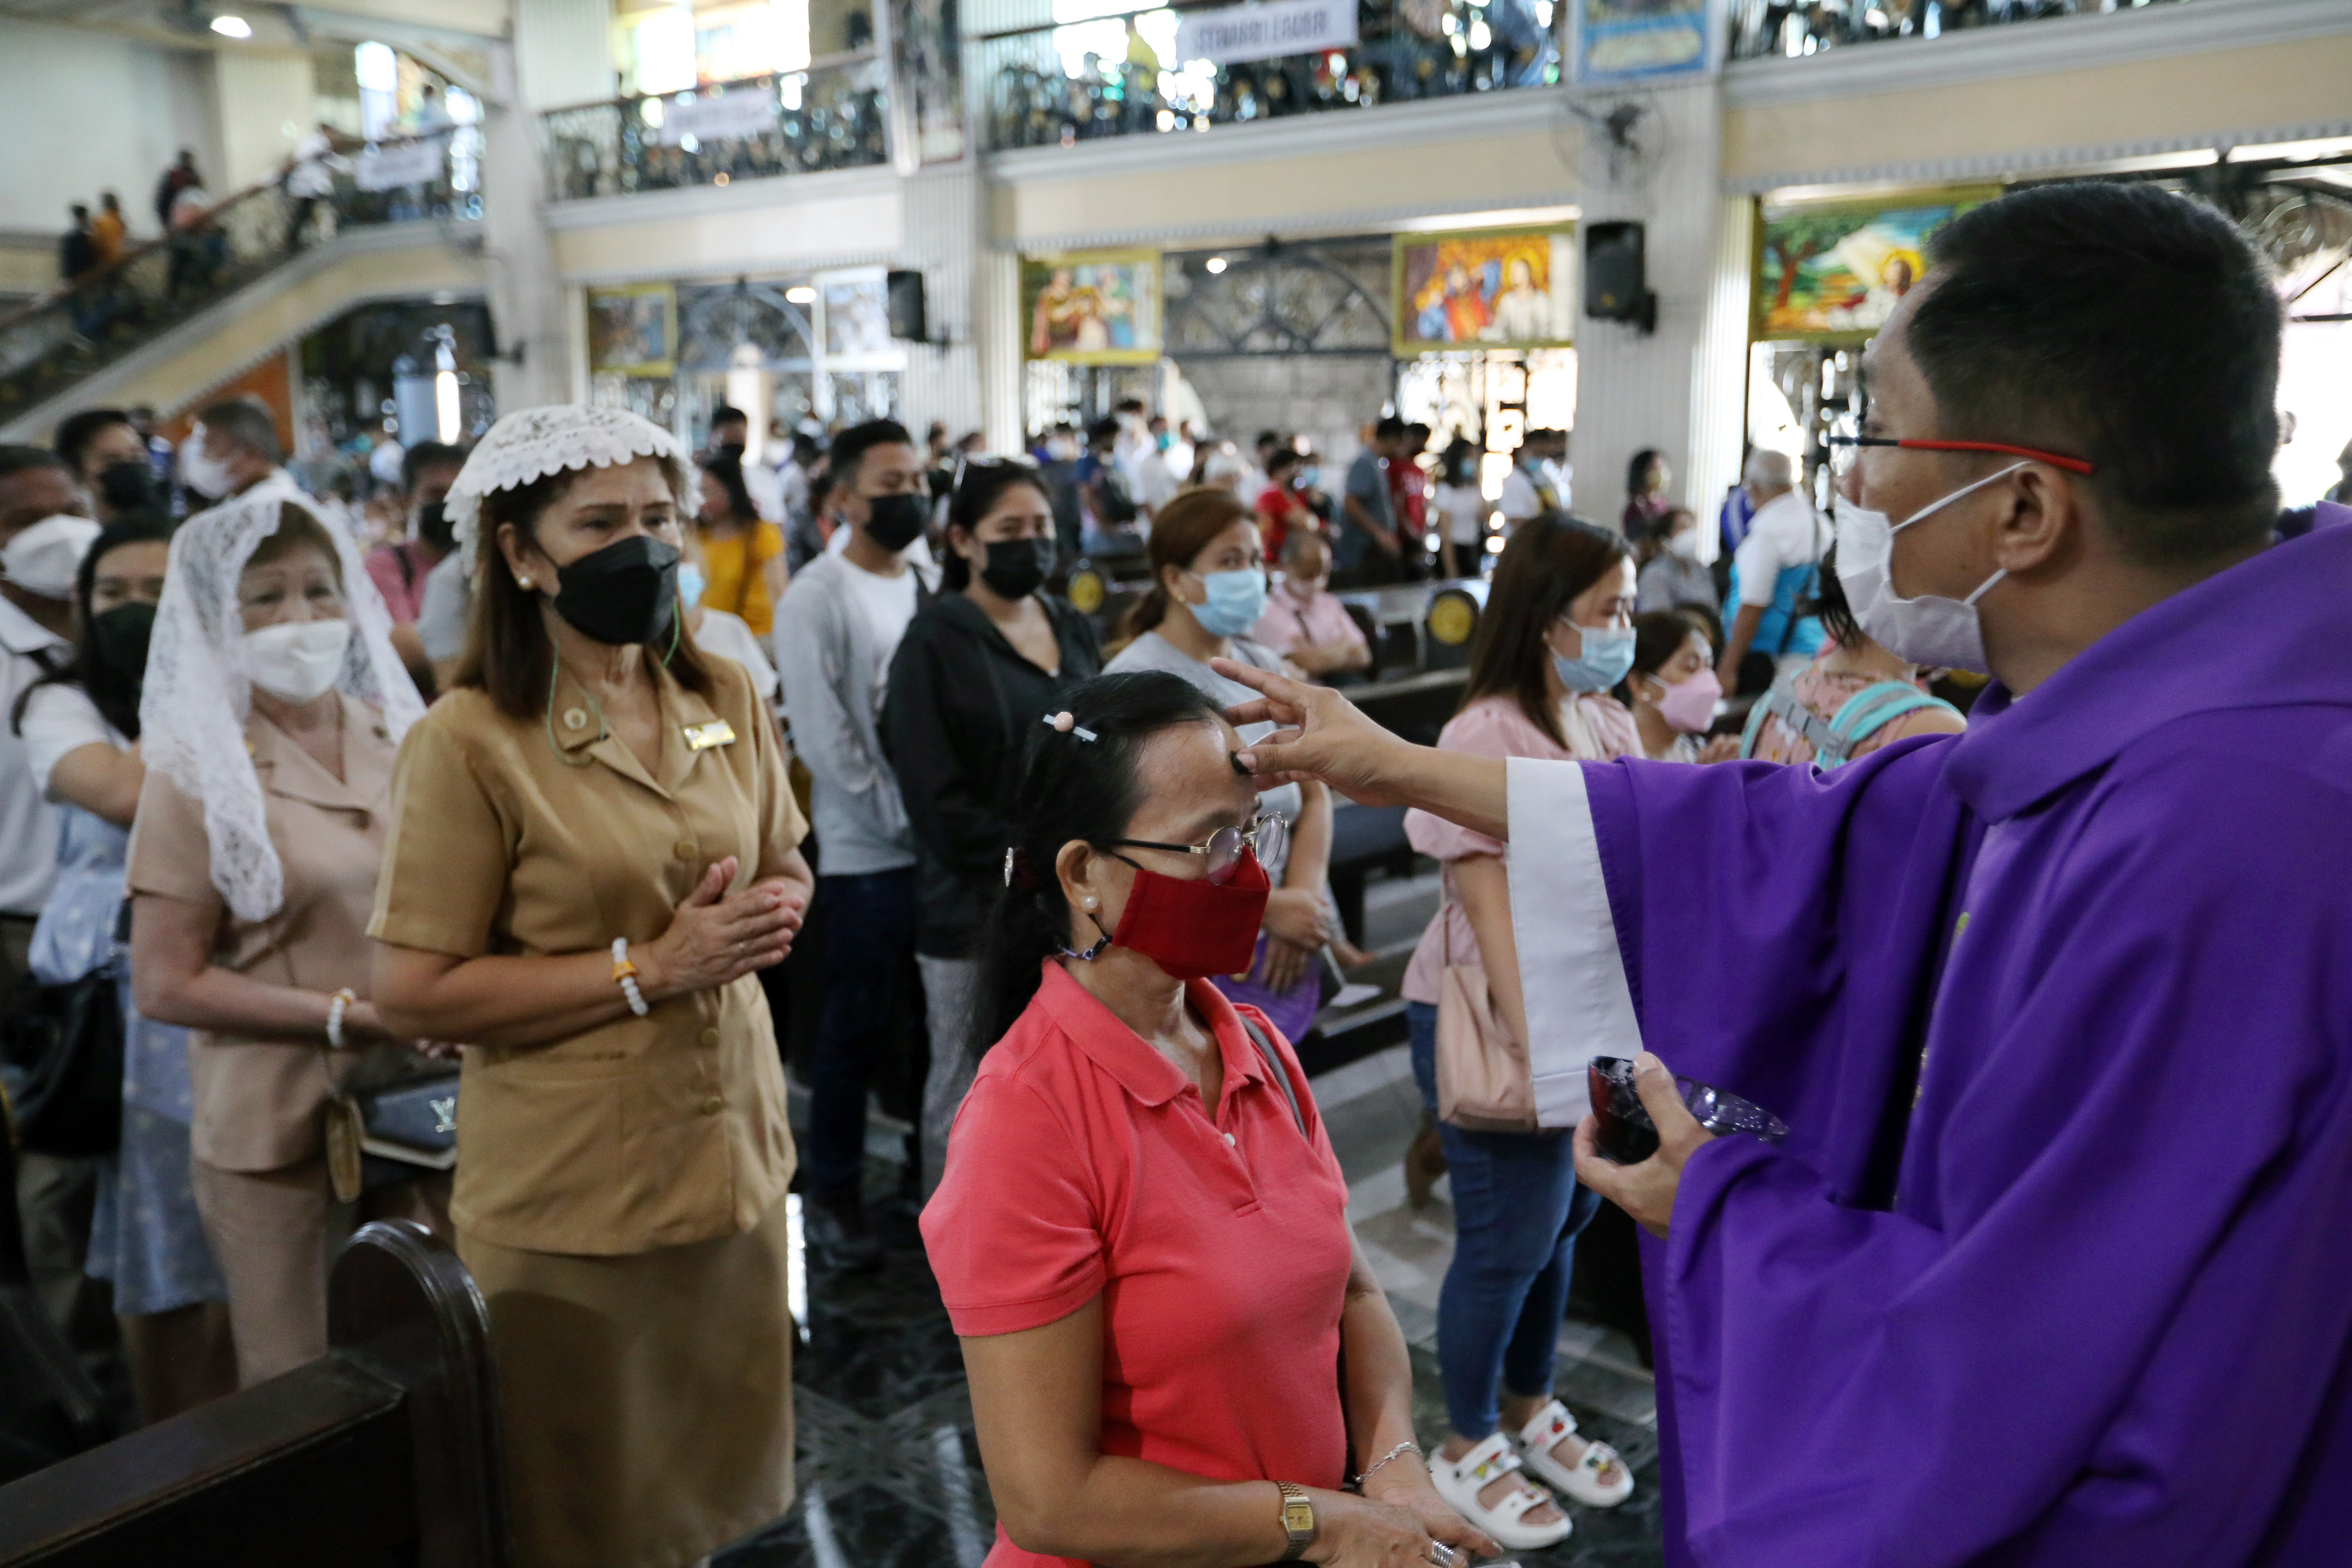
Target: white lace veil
532, 443
192, 707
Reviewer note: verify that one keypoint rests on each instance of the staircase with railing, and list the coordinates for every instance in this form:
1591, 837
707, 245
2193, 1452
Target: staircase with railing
84, 324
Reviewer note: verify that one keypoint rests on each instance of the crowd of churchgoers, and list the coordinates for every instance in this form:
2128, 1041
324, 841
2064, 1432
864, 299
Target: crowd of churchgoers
509, 772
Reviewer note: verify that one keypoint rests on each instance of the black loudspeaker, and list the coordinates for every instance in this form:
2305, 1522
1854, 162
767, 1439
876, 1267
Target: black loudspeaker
907, 318
1614, 268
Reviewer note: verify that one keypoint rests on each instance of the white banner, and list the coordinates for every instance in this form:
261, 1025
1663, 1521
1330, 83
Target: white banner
750, 111
1266, 32
402, 163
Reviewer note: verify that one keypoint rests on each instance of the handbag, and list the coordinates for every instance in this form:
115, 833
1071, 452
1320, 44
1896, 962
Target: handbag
396, 1133
1485, 1083
63, 1044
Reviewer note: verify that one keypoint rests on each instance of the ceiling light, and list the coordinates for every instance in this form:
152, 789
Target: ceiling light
802, 295
1215, 265
232, 26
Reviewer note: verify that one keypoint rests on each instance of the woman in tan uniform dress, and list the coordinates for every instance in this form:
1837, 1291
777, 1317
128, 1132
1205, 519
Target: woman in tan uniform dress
268, 721
594, 848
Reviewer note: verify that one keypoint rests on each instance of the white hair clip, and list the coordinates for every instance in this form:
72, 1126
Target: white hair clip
1062, 723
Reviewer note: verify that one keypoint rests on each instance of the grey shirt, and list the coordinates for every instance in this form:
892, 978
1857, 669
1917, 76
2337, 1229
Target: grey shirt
832, 662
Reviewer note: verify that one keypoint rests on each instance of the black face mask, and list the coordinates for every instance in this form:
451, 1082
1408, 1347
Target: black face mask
120, 638
129, 486
895, 522
1016, 567
433, 527
624, 593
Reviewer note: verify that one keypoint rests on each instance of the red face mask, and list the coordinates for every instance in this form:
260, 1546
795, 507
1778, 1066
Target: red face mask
1198, 928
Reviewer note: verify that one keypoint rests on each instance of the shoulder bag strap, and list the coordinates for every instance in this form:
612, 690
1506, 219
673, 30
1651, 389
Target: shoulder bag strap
1274, 1065
1873, 708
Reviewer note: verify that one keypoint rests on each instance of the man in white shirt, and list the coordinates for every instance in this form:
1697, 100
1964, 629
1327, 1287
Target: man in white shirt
1533, 487
838, 626
1774, 570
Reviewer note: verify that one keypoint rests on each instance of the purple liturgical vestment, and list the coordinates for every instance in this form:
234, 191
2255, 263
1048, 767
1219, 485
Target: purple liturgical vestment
2056, 1266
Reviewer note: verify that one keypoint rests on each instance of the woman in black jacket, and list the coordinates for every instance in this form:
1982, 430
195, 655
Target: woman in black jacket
979, 668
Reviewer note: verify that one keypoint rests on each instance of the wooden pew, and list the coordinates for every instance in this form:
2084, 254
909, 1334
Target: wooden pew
385, 1452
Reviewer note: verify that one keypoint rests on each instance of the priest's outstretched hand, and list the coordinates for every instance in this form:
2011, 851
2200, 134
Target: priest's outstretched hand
1645, 1191
1322, 735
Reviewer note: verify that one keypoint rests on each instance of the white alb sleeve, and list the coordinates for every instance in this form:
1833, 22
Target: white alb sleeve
1571, 970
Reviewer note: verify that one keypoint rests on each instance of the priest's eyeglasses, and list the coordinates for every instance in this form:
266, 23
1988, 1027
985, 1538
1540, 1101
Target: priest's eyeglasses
1266, 834
1846, 451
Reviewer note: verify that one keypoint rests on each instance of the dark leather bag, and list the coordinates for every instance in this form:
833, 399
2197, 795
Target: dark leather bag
394, 1134
49, 1408
64, 1046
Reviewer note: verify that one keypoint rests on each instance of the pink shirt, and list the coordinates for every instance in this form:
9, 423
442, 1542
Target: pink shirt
403, 598
1083, 1163
1825, 692
1287, 622
1598, 728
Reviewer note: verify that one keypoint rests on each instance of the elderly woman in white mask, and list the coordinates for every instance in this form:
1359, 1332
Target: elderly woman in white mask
272, 711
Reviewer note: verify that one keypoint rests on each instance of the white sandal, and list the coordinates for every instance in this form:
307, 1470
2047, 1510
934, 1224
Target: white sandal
1459, 1481
1582, 1481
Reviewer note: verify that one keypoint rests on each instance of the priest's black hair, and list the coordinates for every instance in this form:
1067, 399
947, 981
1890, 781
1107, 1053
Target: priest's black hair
2122, 323
1072, 788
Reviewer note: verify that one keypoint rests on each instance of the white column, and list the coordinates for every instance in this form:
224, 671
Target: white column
527, 295
1637, 390
267, 102
996, 324
564, 51
1718, 411
942, 241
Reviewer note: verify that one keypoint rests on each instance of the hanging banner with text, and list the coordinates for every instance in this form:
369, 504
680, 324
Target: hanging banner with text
1240, 32
715, 117
387, 168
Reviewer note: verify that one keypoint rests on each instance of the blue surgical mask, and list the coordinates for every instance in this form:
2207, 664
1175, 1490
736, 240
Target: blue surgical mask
1607, 659
690, 582
1236, 600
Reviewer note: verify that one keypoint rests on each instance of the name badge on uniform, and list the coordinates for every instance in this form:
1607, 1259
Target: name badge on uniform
702, 737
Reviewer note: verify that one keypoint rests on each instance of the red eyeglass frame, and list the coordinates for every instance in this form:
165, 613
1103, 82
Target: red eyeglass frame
2072, 465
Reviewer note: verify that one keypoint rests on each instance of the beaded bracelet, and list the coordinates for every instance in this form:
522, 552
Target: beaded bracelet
337, 1006
625, 973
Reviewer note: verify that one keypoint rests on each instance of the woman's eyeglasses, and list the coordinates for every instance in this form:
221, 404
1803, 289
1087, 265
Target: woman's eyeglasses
1266, 834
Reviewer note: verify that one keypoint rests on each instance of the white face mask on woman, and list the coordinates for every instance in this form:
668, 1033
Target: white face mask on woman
296, 661
1929, 630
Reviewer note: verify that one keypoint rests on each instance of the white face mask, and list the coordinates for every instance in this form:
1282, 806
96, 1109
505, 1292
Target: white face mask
296, 661
201, 471
43, 558
1684, 546
1929, 630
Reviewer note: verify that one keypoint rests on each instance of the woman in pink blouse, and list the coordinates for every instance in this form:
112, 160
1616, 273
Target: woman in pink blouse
1556, 636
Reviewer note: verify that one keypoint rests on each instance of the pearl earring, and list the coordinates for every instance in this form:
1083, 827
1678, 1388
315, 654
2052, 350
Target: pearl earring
1090, 903
524, 583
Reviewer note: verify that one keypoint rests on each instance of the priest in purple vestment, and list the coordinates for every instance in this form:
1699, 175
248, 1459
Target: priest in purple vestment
2054, 1267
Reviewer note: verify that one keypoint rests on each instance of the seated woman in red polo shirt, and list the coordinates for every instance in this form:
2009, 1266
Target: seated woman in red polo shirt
1141, 1234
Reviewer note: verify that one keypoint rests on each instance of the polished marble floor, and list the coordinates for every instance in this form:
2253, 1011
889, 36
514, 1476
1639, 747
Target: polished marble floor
888, 1471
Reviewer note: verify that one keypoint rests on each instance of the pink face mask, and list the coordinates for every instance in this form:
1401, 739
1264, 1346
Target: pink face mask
1690, 707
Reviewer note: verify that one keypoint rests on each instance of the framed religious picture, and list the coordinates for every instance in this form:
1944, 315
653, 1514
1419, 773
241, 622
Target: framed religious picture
1614, 41
1483, 289
633, 328
1100, 307
853, 310
1832, 273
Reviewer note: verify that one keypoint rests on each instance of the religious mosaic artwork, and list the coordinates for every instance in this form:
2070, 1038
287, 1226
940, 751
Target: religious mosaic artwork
1096, 307
854, 313
632, 330
1627, 40
1835, 274
1513, 287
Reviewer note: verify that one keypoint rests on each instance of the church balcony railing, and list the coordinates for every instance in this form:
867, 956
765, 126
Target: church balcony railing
1118, 74
1777, 29
833, 115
